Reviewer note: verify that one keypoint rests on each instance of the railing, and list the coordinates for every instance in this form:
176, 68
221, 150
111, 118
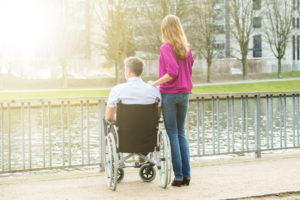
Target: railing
52, 143
62, 133
263, 126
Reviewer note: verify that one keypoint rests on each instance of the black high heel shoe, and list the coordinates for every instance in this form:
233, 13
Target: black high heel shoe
186, 181
177, 182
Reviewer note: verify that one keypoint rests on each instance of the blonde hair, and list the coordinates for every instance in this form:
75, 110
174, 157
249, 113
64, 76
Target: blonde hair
172, 32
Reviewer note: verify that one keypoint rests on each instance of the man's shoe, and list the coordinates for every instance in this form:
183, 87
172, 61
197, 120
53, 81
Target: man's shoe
142, 160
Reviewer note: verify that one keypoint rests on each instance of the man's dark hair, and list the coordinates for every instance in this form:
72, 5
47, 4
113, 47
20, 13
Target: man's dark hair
135, 64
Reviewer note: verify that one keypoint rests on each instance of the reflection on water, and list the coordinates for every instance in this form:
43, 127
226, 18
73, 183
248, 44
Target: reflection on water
56, 137
225, 138
76, 147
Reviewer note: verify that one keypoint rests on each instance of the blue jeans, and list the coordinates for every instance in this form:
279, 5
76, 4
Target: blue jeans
175, 107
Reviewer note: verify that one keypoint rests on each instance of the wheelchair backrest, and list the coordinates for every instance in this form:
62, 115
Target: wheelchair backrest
137, 127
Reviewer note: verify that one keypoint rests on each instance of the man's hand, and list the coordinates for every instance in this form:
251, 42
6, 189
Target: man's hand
110, 113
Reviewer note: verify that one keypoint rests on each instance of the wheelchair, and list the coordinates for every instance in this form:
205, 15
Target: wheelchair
136, 133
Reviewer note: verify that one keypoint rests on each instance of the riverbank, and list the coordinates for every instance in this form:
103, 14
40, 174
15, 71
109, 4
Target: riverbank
282, 85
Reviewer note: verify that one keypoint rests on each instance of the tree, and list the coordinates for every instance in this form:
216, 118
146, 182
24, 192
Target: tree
67, 41
278, 27
147, 22
241, 26
204, 31
117, 33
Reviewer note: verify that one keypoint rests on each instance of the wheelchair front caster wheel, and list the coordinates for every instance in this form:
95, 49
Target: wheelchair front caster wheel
120, 174
147, 173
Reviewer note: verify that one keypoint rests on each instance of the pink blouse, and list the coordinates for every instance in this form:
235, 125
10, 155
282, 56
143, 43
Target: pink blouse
179, 70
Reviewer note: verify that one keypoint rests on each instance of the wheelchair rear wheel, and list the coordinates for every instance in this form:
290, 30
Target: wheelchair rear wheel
164, 159
147, 172
111, 162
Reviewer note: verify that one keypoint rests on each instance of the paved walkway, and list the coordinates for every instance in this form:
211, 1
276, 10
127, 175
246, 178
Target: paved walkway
213, 179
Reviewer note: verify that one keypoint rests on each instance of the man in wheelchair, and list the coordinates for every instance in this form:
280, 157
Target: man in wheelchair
132, 127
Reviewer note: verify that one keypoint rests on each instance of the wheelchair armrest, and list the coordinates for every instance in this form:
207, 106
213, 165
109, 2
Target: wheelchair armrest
110, 123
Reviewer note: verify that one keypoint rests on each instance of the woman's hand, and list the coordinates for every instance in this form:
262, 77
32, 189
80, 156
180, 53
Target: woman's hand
151, 83
162, 80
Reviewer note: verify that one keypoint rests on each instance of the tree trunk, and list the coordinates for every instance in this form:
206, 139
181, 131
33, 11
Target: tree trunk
64, 77
88, 27
117, 78
245, 68
279, 68
1, 82
208, 70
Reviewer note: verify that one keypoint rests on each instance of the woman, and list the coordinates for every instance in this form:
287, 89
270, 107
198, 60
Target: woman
175, 80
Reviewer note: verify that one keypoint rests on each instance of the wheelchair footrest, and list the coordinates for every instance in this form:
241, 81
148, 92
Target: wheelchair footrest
137, 165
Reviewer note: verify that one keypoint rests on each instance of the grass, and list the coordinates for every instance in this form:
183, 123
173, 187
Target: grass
276, 86
54, 94
291, 74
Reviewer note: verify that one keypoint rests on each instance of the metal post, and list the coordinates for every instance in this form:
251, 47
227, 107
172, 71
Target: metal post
271, 123
294, 120
298, 118
63, 132
43, 125
29, 136
257, 125
228, 132
23, 134
242, 122
267, 121
81, 132
2, 137
69, 134
280, 121
232, 122
285, 134
218, 123
9, 137
49, 132
213, 123
101, 108
88, 129
202, 125
197, 117
246, 124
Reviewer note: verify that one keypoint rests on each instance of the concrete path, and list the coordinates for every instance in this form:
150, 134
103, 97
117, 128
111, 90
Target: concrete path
212, 179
